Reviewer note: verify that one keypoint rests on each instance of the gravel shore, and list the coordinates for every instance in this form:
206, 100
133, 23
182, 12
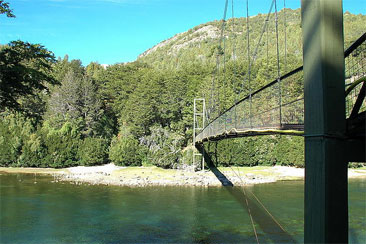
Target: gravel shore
111, 174
148, 176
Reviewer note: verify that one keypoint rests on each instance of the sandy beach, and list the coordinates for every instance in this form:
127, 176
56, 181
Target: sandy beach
111, 174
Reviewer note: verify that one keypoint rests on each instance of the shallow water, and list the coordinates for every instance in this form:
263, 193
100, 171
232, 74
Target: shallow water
48, 212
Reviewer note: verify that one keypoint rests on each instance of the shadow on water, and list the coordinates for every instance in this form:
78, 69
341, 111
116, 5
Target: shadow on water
260, 216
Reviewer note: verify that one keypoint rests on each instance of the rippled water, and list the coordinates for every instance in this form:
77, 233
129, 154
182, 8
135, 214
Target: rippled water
48, 212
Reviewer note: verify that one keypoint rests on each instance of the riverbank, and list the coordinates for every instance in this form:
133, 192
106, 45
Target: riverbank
111, 174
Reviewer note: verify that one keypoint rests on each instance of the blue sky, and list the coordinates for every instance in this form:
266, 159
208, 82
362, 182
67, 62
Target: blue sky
113, 31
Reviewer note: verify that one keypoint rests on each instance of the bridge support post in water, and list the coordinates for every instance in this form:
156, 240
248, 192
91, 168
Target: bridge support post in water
326, 203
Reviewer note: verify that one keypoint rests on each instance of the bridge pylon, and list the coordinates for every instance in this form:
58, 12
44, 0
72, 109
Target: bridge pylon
326, 195
199, 116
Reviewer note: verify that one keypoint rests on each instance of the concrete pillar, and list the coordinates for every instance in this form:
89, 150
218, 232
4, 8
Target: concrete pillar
326, 203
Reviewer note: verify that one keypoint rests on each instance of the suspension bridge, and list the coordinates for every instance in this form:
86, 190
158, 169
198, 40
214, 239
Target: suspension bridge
278, 108
323, 101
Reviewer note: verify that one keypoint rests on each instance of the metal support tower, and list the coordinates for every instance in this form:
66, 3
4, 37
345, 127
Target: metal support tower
198, 126
326, 196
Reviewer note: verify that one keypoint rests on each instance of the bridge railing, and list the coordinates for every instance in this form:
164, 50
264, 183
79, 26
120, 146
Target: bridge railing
280, 101
279, 105
355, 63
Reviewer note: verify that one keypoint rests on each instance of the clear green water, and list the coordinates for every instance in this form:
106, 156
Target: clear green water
49, 212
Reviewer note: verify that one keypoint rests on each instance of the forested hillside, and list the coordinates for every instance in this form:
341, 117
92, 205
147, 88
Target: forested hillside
59, 113
200, 44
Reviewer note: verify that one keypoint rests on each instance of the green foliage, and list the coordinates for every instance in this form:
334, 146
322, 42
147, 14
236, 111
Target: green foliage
5, 9
290, 151
187, 156
118, 82
77, 100
24, 70
164, 147
61, 146
15, 130
94, 70
64, 66
22, 145
356, 165
261, 150
125, 149
92, 151
33, 152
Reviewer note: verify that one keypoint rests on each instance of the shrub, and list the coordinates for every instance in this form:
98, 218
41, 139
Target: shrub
8, 153
356, 165
164, 147
33, 151
92, 151
187, 155
125, 150
290, 151
62, 146
14, 132
260, 150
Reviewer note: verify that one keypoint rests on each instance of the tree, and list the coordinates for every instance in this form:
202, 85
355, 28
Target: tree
94, 70
77, 100
63, 66
65, 101
4, 9
91, 106
164, 147
24, 70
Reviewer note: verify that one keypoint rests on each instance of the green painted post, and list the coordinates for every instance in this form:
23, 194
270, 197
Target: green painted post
326, 205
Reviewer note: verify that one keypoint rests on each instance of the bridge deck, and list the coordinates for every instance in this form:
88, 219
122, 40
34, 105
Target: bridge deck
285, 129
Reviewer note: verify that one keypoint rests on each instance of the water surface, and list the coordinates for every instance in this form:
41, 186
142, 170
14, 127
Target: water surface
46, 212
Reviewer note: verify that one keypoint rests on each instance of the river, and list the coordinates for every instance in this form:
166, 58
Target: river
37, 210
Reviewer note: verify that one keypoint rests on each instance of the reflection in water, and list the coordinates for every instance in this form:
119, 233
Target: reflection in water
65, 213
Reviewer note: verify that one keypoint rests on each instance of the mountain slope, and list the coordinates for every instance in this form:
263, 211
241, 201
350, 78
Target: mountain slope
200, 44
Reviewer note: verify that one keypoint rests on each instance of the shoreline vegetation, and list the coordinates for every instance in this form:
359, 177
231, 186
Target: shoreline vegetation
111, 174
61, 113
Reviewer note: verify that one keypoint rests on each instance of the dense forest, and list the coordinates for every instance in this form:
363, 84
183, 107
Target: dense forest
60, 113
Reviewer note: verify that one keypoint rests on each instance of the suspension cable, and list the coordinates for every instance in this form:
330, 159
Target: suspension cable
234, 59
215, 100
251, 218
249, 67
247, 204
222, 40
254, 56
285, 25
278, 64
250, 63
238, 175
219, 52
267, 48
274, 219
224, 83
